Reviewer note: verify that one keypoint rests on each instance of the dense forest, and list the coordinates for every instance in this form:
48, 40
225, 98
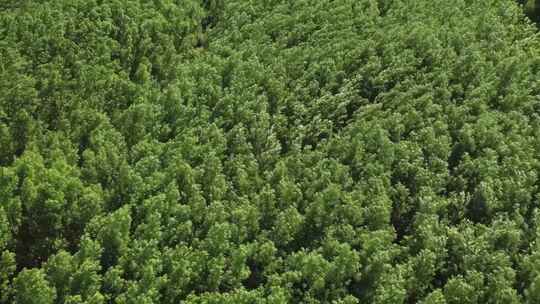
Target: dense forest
269, 151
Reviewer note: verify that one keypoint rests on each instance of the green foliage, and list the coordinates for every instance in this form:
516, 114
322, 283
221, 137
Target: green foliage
309, 151
532, 9
31, 287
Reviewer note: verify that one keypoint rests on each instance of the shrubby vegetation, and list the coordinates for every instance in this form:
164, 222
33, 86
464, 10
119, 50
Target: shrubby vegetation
307, 151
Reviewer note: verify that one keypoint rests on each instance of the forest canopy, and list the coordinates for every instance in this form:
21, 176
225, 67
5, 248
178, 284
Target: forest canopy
269, 151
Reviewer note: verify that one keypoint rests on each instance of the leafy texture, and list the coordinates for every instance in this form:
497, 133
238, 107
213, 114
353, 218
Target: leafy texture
310, 151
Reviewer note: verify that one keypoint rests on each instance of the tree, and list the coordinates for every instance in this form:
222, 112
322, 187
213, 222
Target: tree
31, 287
